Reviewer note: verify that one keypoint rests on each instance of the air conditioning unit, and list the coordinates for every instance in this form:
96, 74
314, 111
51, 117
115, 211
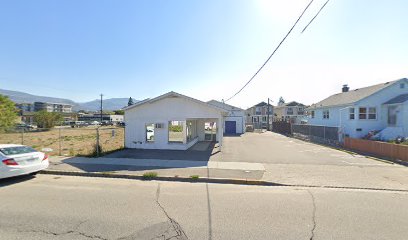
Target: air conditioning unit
158, 125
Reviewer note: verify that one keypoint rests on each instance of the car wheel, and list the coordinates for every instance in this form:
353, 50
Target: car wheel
33, 173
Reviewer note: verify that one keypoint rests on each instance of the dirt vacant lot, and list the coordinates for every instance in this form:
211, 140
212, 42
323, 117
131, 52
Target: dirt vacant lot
68, 141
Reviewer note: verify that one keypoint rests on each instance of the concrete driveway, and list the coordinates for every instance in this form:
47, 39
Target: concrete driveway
272, 148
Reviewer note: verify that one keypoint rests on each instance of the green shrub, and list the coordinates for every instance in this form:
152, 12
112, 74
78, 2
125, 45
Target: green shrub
149, 175
194, 177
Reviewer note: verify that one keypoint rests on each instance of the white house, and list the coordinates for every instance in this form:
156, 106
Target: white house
172, 121
382, 107
234, 122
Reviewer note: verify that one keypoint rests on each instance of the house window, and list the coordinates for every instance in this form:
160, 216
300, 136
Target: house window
372, 113
301, 111
362, 113
402, 85
289, 111
351, 114
312, 114
263, 119
150, 132
176, 131
367, 113
254, 119
258, 111
326, 114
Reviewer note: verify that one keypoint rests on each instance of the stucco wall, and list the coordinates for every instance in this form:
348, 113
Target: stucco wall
163, 111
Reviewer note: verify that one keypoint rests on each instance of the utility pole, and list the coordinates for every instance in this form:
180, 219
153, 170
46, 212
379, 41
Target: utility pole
101, 107
269, 129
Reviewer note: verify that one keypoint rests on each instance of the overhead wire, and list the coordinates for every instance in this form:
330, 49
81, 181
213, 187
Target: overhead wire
315, 16
274, 51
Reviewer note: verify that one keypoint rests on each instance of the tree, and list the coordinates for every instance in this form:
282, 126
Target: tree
8, 113
130, 102
281, 101
46, 119
120, 112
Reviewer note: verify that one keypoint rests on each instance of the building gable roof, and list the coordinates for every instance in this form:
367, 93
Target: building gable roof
398, 99
291, 104
352, 96
170, 95
224, 106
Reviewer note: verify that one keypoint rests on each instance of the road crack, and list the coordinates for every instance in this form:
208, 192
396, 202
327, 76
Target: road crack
180, 234
313, 215
73, 231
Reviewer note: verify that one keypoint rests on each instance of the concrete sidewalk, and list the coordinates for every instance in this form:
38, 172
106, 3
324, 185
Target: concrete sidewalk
163, 168
376, 175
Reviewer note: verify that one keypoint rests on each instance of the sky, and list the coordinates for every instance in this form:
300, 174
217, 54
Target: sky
206, 49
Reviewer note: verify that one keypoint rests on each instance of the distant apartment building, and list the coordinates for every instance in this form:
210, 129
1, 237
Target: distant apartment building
25, 107
52, 107
257, 115
292, 111
97, 117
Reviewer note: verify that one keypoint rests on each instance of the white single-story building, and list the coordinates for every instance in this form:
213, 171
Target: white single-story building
382, 108
234, 122
172, 121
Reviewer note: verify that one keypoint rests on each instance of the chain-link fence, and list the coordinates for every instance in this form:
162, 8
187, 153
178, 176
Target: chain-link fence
66, 141
322, 134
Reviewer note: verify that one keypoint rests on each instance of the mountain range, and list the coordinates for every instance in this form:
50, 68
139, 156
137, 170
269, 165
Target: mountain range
94, 105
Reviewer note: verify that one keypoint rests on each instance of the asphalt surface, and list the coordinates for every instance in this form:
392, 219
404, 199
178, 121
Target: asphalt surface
62, 207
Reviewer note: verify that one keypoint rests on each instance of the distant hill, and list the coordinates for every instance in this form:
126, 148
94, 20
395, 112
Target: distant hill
108, 104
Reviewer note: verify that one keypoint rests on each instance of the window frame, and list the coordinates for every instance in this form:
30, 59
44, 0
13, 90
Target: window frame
326, 116
146, 131
169, 123
366, 113
352, 112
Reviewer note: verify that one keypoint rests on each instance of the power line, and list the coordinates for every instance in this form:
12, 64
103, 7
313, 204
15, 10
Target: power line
315, 16
267, 60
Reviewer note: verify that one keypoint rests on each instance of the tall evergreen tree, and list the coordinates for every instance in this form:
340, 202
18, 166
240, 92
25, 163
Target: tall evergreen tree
130, 102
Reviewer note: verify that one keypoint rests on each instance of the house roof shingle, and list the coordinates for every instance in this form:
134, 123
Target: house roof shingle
352, 96
398, 99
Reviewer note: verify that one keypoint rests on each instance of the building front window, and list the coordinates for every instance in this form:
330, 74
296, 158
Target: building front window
312, 114
150, 132
372, 113
289, 111
351, 114
367, 113
176, 131
326, 114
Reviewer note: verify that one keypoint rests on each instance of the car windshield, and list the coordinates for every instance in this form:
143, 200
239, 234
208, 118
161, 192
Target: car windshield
16, 150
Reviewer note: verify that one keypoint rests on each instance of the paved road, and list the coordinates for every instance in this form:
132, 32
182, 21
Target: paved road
55, 207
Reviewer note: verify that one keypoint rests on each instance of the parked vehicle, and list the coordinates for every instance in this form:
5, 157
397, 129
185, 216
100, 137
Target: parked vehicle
25, 126
75, 124
18, 160
122, 124
94, 123
107, 123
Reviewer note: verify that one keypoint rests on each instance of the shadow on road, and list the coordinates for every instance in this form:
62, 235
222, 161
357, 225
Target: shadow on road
15, 180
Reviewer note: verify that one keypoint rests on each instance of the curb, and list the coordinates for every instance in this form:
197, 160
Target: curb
209, 180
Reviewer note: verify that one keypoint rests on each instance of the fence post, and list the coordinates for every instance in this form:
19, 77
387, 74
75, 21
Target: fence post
22, 136
324, 133
310, 132
59, 140
97, 142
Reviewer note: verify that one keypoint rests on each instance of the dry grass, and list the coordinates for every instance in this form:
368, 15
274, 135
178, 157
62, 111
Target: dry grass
78, 141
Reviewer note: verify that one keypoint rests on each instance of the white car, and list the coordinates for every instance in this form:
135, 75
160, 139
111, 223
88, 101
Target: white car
18, 160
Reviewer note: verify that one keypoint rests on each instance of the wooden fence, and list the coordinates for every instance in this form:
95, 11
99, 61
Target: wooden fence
389, 150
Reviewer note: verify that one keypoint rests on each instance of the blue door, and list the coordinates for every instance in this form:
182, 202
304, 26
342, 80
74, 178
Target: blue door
230, 127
